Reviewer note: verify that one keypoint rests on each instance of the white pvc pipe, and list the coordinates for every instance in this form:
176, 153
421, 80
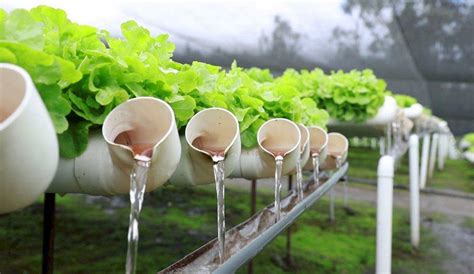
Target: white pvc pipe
385, 175
212, 129
104, 168
385, 114
414, 190
274, 135
29, 150
318, 143
413, 111
453, 153
432, 157
442, 145
337, 150
424, 160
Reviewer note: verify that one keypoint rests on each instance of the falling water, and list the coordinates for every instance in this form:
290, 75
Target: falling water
278, 170
315, 157
299, 180
219, 176
138, 178
217, 155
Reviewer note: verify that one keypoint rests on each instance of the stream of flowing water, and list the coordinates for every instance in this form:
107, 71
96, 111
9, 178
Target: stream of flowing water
219, 176
299, 180
278, 170
315, 157
138, 178
217, 154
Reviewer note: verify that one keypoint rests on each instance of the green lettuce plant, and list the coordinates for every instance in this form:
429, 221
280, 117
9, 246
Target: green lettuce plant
404, 101
82, 73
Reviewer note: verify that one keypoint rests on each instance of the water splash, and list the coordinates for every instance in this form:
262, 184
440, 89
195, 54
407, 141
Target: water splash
219, 176
138, 178
315, 157
299, 180
278, 170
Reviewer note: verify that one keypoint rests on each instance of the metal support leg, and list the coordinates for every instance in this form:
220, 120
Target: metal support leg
384, 214
424, 160
253, 209
48, 232
332, 216
414, 191
289, 261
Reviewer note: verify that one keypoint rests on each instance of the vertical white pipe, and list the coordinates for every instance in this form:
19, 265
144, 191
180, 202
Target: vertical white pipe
389, 138
424, 160
453, 154
414, 191
441, 151
382, 146
384, 214
434, 144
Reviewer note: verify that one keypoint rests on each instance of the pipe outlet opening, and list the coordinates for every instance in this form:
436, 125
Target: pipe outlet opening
139, 125
12, 92
212, 131
304, 137
318, 140
278, 137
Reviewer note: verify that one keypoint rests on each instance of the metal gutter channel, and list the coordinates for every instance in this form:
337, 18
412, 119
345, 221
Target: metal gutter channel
256, 246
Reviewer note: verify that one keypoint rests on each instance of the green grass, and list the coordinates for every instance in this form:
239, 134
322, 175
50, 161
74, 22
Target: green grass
91, 236
457, 174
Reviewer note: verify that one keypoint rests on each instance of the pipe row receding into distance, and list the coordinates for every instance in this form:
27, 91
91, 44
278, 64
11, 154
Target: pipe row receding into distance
29, 148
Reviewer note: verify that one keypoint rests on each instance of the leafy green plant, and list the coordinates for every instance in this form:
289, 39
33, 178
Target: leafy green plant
469, 138
353, 96
404, 101
82, 73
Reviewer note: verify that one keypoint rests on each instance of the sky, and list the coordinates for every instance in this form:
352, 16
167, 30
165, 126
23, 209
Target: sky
206, 24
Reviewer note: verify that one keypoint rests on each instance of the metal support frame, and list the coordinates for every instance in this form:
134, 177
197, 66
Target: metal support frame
254, 247
48, 232
253, 210
288, 258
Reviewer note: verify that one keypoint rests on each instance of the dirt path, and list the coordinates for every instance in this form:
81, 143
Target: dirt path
455, 239
430, 203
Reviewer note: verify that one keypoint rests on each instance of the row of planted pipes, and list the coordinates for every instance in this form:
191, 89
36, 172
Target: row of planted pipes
140, 149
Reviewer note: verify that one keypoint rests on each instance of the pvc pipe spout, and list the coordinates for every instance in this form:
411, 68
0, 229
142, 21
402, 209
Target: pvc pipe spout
337, 149
304, 144
276, 137
414, 111
140, 127
29, 150
211, 132
318, 142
